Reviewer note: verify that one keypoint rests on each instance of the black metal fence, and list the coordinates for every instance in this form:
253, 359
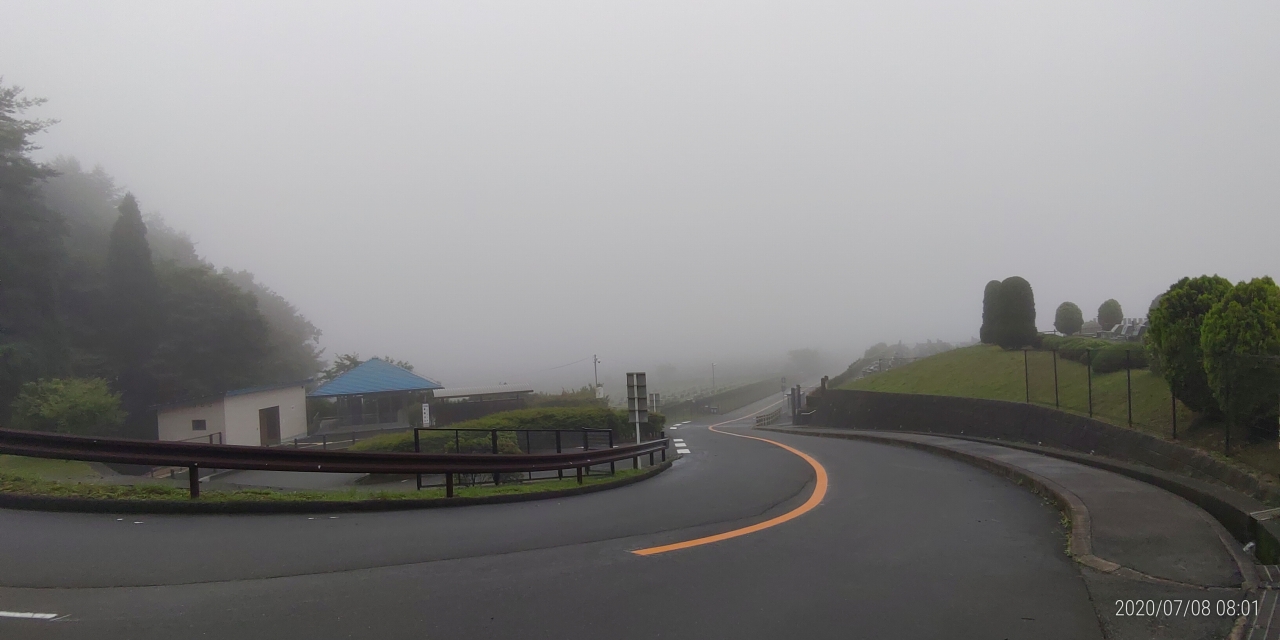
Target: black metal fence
1114, 385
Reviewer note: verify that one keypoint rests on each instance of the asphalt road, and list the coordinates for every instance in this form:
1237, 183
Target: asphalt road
905, 545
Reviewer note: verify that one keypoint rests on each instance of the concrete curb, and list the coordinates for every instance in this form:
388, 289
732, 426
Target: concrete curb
1081, 539
89, 505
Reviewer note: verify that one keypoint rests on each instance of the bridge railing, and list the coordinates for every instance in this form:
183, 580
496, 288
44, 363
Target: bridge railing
215, 456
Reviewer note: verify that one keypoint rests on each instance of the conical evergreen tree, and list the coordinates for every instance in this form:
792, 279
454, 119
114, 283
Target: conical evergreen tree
134, 303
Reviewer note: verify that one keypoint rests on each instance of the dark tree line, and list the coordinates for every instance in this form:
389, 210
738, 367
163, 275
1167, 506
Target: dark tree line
91, 288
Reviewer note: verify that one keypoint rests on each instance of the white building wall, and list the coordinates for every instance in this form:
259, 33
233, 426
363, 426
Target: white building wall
175, 424
242, 414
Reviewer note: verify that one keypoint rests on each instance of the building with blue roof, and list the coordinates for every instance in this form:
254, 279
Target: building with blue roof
375, 394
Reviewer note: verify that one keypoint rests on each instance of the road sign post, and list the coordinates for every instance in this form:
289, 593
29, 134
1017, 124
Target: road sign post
637, 401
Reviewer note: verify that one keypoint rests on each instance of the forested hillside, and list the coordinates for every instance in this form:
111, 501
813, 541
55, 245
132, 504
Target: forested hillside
90, 288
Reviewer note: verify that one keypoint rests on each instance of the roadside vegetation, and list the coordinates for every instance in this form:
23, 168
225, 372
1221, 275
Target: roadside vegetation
1216, 345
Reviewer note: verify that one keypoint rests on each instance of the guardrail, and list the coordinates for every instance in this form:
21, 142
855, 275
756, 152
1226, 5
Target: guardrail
217, 456
769, 418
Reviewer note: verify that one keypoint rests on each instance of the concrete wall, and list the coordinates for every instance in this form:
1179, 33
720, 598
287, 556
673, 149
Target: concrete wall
175, 424
242, 414
1028, 423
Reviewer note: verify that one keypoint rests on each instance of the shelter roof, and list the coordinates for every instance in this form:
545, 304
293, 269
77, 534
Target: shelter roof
374, 376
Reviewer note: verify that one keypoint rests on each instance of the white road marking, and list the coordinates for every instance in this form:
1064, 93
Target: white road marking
682, 451
28, 615
674, 428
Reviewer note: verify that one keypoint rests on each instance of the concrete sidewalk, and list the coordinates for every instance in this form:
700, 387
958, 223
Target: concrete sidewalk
1134, 541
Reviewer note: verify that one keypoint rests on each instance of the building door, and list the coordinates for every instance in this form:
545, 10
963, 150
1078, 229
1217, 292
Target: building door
269, 425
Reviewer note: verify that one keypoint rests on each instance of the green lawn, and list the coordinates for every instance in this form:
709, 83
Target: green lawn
28, 485
990, 372
47, 469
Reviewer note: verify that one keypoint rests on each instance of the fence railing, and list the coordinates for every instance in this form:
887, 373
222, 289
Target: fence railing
209, 438
767, 419
214, 456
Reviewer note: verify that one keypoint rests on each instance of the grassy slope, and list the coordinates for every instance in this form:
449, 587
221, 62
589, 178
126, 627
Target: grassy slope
993, 373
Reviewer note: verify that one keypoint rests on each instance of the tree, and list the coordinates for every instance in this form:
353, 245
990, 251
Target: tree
1015, 312
212, 339
133, 294
987, 332
1240, 338
82, 406
1110, 314
1068, 319
1173, 337
133, 312
295, 351
32, 341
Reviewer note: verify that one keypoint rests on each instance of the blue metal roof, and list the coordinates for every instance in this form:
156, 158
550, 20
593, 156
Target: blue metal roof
374, 376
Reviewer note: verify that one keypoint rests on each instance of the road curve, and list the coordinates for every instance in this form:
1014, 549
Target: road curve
903, 545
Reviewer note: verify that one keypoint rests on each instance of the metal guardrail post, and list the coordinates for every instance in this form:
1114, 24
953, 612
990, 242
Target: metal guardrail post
1056, 403
612, 469
579, 475
1128, 384
1173, 404
586, 446
1088, 370
193, 480
559, 472
448, 484
417, 448
1026, 374
493, 437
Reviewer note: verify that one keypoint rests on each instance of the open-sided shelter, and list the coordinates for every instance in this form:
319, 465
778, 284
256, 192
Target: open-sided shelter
375, 394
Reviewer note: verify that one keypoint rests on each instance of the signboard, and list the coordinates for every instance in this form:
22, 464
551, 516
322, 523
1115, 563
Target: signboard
426, 415
637, 401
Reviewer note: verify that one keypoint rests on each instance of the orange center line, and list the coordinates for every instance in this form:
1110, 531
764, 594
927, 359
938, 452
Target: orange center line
815, 498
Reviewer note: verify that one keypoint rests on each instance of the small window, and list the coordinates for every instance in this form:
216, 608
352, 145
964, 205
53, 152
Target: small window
198, 425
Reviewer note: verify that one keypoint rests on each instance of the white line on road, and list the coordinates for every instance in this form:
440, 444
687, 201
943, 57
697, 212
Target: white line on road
682, 451
28, 615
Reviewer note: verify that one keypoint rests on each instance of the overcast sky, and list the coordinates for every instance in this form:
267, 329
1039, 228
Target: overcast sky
489, 189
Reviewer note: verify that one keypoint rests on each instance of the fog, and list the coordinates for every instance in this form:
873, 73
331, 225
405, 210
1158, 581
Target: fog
493, 191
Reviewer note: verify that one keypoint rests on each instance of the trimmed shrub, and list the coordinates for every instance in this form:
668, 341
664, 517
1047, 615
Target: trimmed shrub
1174, 338
1112, 358
1107, 356
1015, 313
1068, 319
1240, 339
1110, 314
987, 332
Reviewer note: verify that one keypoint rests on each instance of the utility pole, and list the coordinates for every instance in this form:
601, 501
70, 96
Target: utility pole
713, 377
595, 371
